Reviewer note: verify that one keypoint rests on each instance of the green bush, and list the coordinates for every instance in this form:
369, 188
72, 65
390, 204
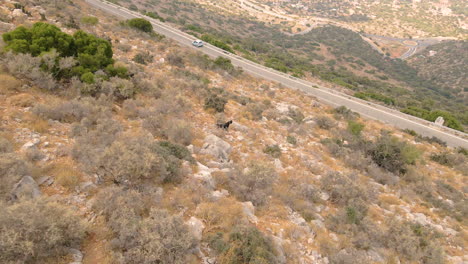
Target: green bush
90, 52
216, 42
140, 24
355, 128
216, 102
87, 78
449, 119
143, 58
291, 140
154, 15
90, 20
224, 63
273, 150
247, 245
378, 97
393, 155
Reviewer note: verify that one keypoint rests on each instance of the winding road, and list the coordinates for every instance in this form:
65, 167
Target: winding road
328, 96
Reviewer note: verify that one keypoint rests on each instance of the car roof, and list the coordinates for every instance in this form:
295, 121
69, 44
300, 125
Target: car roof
197, 40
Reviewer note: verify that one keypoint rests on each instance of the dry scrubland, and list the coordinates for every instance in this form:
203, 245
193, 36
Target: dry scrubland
139, 173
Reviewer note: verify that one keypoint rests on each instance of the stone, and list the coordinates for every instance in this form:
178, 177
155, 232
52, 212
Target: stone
217, 148
278, 165
421, 219
216, 195
249, 210
278, 244
324, 196
318, 223
439, 121
26, 188
76, 254
238, 127
18, 13
34, 142
45, 180
87, 186
204, 175
196, 226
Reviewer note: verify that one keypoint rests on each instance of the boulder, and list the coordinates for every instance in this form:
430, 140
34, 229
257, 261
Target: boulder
216, 195
45, 180
18, 13
26, 188
34, 142
196, 226
204, 175
278, 244
217, 148
238, 127
87, 186
249, 210
76, 255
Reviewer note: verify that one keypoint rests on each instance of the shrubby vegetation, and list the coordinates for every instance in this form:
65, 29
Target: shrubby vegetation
393, 155
253, 185
45, 54
32, 231
245, 245
449, 120
140, 24
144, 234
12, 169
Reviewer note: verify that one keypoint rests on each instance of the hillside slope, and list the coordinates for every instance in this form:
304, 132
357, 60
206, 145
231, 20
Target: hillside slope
338, 56
123, 161
445, 64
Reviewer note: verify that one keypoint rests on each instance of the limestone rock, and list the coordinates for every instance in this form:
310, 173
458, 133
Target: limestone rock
216, 195
45, 180
26, 188
204, 175
249, 210
18, 13
196, 226
216, 147
34, 142
76, 254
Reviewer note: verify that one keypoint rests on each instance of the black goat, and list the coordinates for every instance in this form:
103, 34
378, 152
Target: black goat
224, 125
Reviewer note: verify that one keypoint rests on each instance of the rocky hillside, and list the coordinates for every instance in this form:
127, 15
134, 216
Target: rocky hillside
333, 56
121, 160
445, 64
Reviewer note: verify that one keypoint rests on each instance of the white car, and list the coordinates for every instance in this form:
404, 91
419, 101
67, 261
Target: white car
197, 43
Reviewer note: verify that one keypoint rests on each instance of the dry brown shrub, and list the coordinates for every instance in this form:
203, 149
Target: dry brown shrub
39, 125
23, 100
37, 230
65, 173
221, 216
12, 169
9, 84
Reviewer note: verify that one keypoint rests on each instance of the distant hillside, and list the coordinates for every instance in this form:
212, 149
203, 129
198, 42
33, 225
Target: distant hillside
446, 65
333, 54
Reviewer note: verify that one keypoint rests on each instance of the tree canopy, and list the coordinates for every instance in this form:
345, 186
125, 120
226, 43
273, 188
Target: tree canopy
91, 52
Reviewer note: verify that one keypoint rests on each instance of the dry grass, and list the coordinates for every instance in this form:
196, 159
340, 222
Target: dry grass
39, 125
22, 100
64, 173
9, 84
220, 216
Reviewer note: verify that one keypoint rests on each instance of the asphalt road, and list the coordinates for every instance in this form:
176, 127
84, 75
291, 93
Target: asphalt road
333, 98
